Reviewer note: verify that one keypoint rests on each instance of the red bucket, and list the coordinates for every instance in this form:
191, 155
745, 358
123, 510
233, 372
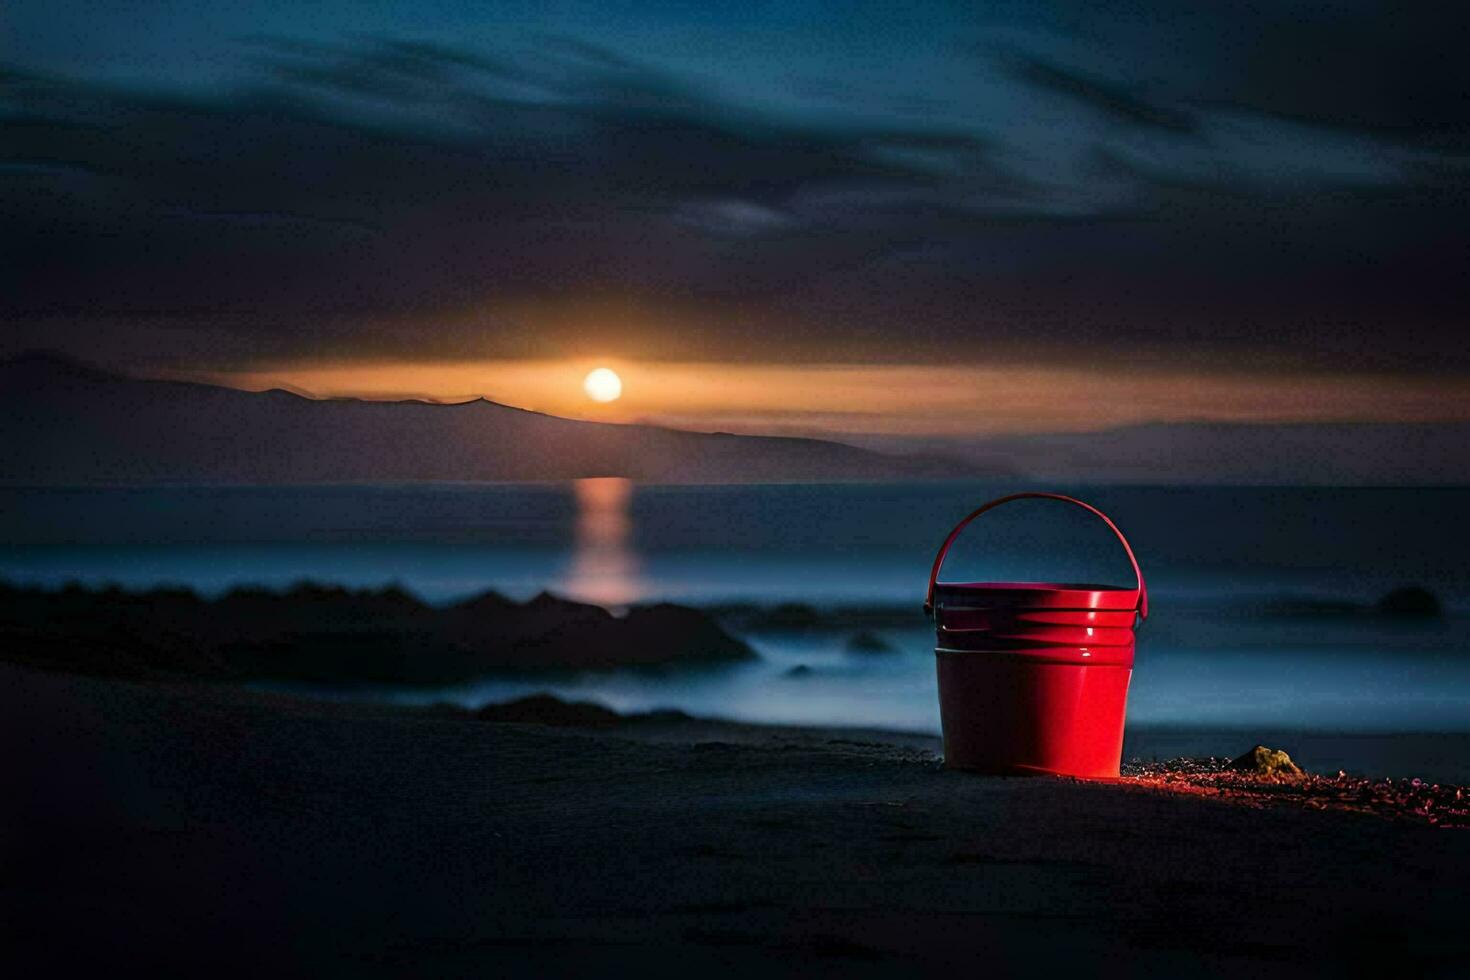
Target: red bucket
1033, 676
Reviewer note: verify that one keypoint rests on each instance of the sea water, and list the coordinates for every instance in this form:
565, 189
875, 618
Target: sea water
1259, 594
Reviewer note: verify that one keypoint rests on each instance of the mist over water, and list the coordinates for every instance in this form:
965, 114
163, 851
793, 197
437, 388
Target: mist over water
1233, 641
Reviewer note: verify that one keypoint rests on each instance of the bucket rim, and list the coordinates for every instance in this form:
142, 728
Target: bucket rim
1036, 586
1041, 595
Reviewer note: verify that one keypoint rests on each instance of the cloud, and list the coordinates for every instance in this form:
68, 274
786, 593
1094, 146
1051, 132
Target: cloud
409, 198
1109, 99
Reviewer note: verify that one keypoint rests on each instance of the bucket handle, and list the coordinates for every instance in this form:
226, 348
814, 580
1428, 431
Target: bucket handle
944, 548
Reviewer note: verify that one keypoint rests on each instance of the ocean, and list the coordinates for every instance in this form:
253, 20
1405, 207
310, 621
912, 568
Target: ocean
1260, 596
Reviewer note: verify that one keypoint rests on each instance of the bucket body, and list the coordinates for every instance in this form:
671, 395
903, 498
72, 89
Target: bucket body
1033, 676
1015, 715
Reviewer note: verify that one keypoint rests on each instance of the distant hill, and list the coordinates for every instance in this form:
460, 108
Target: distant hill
62, 421
1219, 453
1304, 453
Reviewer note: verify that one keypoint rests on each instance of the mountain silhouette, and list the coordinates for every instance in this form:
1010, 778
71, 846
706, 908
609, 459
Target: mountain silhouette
66, 422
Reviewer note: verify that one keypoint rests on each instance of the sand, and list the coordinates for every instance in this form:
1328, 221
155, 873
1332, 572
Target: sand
223, 831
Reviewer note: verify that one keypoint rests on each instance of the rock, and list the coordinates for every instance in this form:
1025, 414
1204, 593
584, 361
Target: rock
545, 709
800, 670
485, 603
695, 634
329, 634
663, 716
548, 709
1266, 762
866, 642
1411, 602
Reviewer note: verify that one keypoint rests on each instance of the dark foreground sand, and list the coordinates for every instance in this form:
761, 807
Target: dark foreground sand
228, 832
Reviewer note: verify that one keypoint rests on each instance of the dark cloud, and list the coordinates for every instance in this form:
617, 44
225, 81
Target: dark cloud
403, 198
1110, 99
1355, 64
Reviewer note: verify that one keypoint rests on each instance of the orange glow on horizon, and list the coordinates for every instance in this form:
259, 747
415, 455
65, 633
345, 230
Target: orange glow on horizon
898, 399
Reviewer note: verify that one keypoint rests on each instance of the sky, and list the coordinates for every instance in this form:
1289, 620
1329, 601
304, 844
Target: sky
926, 219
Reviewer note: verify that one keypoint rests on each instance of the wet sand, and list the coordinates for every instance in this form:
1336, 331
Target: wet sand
223, 831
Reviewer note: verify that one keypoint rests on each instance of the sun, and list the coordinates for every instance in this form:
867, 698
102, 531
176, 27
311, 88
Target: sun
603, 385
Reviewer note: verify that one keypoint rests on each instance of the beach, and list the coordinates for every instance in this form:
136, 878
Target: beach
219, 830
696, 490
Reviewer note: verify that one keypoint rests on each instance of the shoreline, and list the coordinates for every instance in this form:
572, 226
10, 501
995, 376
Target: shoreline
1445, 754
1442, 756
